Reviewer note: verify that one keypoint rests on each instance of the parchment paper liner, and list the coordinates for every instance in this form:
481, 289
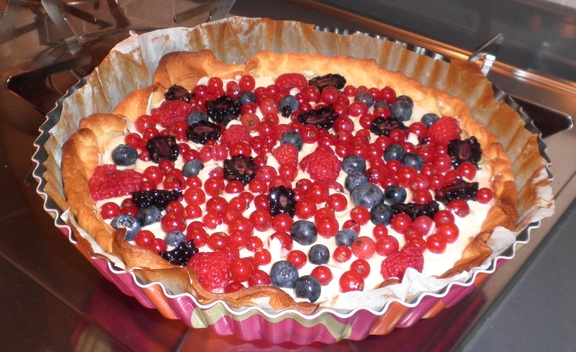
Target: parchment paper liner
130, 66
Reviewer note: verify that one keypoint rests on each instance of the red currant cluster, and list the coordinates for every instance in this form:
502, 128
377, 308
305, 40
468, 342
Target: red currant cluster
212, 202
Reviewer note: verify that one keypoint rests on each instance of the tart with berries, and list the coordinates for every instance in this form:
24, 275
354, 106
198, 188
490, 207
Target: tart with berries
288, 180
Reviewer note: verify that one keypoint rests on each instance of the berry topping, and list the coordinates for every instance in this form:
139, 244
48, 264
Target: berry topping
402, 109
395, 194
464, 150
148, 215
458, 189
322, 165
234, 134
307, 287
345, 237
381, 214
429, 119
444, 130
367, 195
223, 109
158, 198
181, 254
319, 254
109, 182
321, 118
304, 232
203, 131
287, 105
330, 80
414, 210
124, 155
294, 138
353, 180
383, 126
283, 274
281, 201
395, 264
212, 268
291, 80
353, 163
127, 222
177, 92
286, 154
196, 116
240, 168
174, 238
162, 148
192, 168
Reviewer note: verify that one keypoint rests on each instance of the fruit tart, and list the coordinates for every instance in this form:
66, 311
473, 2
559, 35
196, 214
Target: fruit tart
287, 181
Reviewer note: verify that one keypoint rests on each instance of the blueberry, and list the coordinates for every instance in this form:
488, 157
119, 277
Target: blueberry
382, 103
124, 155
247, 97
402, 110
429, 119
345, 237
196, 116
192, 167
353, 180
287, 105
304, 232
367, 195
381, 214
394, 194
283, 274
128, 222
406, 99
148, 215
294, 138
393, 152
174, 238
308, 287
365, 97
318, 254
412, 159
353, 163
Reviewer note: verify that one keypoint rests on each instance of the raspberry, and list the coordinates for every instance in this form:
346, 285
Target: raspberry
235, 133
444, 130
171, 111
212, 268
323, 166
292, 80
286, 154
395, 264
108, 182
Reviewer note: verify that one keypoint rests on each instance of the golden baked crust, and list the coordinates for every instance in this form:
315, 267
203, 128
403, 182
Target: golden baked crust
81, 156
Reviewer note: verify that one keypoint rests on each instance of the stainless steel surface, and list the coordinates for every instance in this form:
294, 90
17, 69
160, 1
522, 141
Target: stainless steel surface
57, 301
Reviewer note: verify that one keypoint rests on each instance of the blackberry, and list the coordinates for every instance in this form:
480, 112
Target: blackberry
203, 131
181, 254
415, 210
162, 147
281, 201
223, 109
158, 198
458, 189
177, 92
383, 127
464, 150
240, 168
330, 80
321, 118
